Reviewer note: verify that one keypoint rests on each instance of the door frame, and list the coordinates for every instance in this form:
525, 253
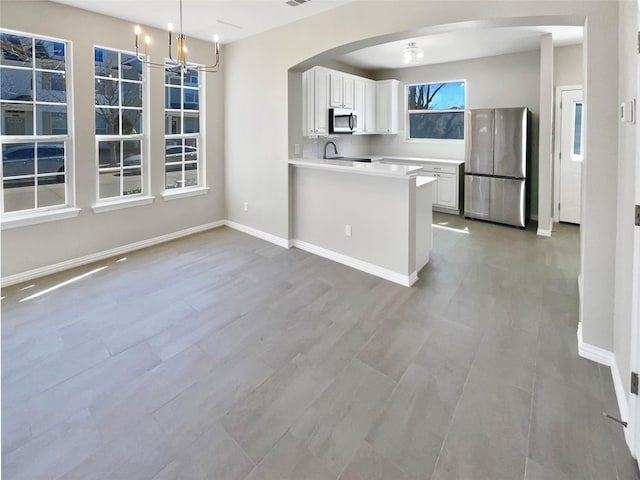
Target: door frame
557, 143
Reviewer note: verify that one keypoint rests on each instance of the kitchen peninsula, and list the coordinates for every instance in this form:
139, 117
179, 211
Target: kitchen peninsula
375, 217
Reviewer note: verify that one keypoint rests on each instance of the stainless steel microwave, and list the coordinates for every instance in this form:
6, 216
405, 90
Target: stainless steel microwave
342, 120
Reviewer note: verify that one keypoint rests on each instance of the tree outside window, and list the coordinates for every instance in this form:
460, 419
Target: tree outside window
436, 111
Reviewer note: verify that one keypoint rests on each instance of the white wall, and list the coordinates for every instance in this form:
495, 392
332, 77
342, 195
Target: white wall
626, 193
545, 140
256, 170
567, 65
31, 247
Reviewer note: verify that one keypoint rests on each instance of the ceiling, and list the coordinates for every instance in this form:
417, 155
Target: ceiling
231, 19
461, 45
236, 19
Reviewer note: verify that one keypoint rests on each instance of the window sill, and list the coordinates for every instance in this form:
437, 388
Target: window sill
433, 140
34, 218
108, 206
177, 193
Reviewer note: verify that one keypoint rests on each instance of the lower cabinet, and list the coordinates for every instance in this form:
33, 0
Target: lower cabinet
446, 193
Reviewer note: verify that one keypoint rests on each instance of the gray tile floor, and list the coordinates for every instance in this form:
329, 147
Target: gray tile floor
221, 356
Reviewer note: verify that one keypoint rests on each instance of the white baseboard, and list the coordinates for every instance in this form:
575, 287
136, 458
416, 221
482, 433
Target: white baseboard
607, 358
405, 280
545, 232
94, 257
282, 242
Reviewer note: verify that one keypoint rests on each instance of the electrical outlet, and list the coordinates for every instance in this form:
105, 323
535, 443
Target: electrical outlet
296, 149
246, 206
347, 230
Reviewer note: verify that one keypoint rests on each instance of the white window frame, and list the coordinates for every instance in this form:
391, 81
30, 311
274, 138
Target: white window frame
408, 112
68, 209
143, 197
200, 188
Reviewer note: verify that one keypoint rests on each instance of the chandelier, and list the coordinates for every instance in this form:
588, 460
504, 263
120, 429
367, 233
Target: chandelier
412, 54
180, 58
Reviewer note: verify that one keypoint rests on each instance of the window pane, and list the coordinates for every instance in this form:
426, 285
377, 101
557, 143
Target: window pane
436, 96
173, 177
191, 78
191, 150
19, 194
107, 92
107, 121
132, 181
131, 122
131, 67
131, 94
109, 154
191, 122
16, 50
132, 153
18, 159
51, 120
172, 98
191, 100
446, 125
106, 63
173, 150
51, 191
190, 174
577, 130
50, 157
17, 119
109, 184
16, 84
172, 77
172, 123
49, 55
51, 87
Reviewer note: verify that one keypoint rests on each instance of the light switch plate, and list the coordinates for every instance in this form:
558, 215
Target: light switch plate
628, 111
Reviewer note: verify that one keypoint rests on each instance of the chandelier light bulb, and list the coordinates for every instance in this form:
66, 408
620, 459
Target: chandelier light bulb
412, 54
170, 27
147, 39
216, 38
137, 29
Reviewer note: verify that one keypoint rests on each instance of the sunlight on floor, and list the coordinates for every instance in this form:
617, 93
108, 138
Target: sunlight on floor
464, 230
60, 285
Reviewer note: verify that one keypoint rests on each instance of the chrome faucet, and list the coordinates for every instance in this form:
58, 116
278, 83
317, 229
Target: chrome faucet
335, 149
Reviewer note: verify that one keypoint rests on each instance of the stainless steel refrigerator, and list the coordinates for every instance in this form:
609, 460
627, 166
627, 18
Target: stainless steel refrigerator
496, 165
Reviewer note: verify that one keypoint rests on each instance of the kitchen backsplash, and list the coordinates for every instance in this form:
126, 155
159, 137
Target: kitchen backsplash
348, 146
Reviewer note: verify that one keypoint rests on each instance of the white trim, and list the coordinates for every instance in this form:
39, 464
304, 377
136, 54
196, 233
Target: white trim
122, 203
39, 217
608, 359
405, 280
545, 232
580, 286
94, 257
591, 352
281, 242
184, 193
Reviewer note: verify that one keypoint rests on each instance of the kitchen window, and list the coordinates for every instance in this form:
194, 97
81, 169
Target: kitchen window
435, 111
34, 132
183, 141
119, 124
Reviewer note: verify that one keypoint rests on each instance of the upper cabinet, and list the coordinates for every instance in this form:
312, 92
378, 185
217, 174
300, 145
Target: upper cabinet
387, 106
365, 104
375, 102
341, 95
315, 102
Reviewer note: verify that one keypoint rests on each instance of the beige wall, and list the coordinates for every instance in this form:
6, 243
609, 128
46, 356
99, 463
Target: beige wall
627, 171
37, 246
567, 65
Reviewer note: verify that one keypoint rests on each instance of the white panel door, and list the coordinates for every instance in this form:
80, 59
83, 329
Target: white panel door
447, 191
571, 156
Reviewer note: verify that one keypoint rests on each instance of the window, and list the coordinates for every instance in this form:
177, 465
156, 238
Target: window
182, 128
577, 131
436, 111
119, 126
34, 133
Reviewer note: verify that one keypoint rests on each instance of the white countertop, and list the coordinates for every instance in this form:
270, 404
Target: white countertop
444, 161
378, 169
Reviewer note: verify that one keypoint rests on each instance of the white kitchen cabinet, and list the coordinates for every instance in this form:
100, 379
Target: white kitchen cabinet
315, 104
447, 189
342, 90
364, 104
387, 106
